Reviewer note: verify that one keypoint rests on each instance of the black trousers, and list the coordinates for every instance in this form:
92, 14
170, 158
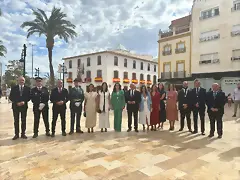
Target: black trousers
216, 117
135, 116
56, 112
201, 113
16, 114
75, 115
37, 113
185, 113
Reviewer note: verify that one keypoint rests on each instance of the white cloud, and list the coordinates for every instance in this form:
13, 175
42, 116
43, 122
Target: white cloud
100, 24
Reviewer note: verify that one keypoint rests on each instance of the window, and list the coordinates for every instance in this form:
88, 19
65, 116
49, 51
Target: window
209, 58
154, 79
99, 60
236, 54
149, 66
141, 77
115, 61
236, 5
148, 77
115, 74
99, 73
88, 75
70, 64
141, 66
167, 50
155, 68
209, 13
125, 62
79, 63
134, 76
236, 30
134, 64
70, 75
209, 36
180, 47
88, 61
125, 75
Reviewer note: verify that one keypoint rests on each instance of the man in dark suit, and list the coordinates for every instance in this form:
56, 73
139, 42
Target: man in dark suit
198, 106
76, 97
215, 103
184, 105
20, 95
59, 98
40, 98
133, 98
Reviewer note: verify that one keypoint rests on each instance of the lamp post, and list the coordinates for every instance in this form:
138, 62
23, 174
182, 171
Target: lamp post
32, 57
37, 72
23, 59
64, 71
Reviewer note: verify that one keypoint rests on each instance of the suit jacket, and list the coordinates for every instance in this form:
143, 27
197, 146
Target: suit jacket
184, 98
217, 102
56, 97
136, 97
16, 97
39, 96
76, 96
199, 98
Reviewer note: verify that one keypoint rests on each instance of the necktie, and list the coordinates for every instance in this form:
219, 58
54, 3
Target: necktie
132, 92
21, 90
214, 94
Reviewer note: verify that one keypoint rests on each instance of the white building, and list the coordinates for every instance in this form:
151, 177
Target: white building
111, 66
216, 42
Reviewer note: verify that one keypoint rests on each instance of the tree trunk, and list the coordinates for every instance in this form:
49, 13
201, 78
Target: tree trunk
52, 79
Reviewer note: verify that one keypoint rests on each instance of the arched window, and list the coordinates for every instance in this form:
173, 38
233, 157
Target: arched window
115, 74
141, 77
88, 61
99, 60
148, 77
125, 62
79, 63
99, 73
148, 66
88, 74
155, 68
134, 76
125, 75
70, 64
141, 65
134, 64
115, 61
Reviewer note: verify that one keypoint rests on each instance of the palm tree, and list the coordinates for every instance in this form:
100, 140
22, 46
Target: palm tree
55, 25
3, 49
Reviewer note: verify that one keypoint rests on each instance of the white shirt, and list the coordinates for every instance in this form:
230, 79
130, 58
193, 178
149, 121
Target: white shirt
20, 87
236, 94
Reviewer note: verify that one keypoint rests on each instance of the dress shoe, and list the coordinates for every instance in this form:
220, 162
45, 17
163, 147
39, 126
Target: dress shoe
203, 133
181, 129
53, 135
129, 130
35, 136
15, 137
79, 131
102, 130
234, 115
210, 135
190, 131
23, 136
105, 129
194, 132
219, 136
136, 130
70, 133
64, 133
48, 134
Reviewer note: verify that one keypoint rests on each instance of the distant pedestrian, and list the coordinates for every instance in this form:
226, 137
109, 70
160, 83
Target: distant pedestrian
236, 99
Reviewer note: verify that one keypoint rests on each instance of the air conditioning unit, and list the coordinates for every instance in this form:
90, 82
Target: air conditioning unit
235, 58
215, 61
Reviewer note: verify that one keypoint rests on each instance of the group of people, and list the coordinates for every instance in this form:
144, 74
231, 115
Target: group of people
149, 108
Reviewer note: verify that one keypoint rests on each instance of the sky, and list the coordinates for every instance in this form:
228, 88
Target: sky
100, 25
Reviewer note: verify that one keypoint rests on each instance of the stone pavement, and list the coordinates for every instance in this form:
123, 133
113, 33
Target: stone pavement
160, 155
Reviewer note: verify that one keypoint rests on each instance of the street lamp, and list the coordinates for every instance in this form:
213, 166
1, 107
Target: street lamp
37, 72
32, 56
64, 71
23, 59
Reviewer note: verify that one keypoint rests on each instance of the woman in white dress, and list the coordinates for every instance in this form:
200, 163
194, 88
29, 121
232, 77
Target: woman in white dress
104, 107
90, 108
145, 108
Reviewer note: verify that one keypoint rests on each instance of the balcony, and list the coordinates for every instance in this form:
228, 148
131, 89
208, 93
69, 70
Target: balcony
236, 8
180, 50
210, 38
167, 53
182, 30
179, 74
236, 58
166, 34
235, 33
166, 75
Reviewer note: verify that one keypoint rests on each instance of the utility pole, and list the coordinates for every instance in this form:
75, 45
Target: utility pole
23, 59
64, 72
37, 72
32, 59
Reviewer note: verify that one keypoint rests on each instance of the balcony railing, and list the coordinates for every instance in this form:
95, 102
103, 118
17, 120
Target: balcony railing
180, 50
182, 30
166, 53
235, 58
166, 34
236, 8
179, 74
166, 75
235, 33
210, 38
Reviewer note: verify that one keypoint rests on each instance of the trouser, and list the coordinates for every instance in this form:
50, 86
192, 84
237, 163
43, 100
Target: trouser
45, 117
216, 117
135, 116
62, 113
185, 113
236, 106
201, 113
117, 119
77, 116
16, 115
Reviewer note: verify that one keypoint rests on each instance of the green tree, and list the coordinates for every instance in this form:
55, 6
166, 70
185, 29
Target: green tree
55, 25
3, 49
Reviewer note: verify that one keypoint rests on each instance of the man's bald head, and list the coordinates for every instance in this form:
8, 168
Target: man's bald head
132, 86
215, 86
59, 84
21, 80
185, 84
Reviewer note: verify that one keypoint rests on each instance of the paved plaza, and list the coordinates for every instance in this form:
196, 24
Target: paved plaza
160, 155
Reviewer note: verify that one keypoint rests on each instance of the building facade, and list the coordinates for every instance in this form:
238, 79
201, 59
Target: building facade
174, 51
216, 38
111, 66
